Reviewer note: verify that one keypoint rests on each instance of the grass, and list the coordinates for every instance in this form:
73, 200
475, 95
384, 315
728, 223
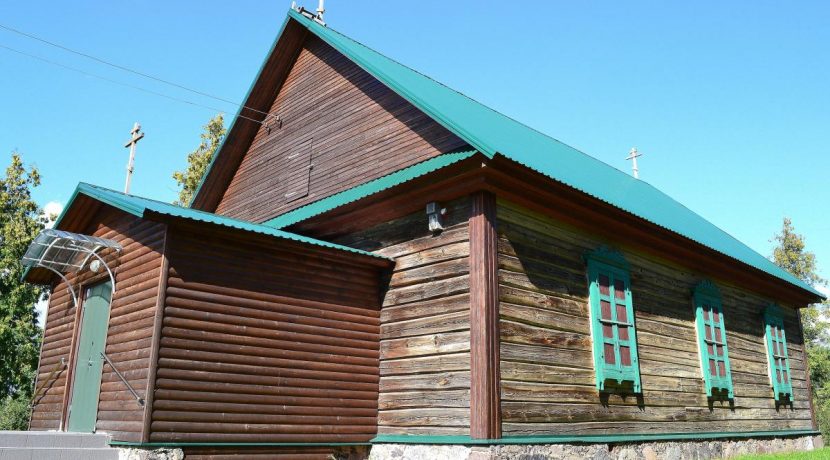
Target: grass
818, 454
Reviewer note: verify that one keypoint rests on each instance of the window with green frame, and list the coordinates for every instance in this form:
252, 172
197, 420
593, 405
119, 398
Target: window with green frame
779, 361
612, 319
711, 338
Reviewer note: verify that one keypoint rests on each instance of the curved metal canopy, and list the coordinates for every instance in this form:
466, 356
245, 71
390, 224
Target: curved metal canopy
65, 252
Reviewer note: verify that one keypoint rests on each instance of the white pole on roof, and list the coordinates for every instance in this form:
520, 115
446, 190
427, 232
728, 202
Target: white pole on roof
321, 9
632, 155
137, 135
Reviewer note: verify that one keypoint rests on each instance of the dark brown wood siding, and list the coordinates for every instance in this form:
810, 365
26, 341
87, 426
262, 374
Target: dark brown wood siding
265, 342
137, 272
547, 376
356, 128
425, 324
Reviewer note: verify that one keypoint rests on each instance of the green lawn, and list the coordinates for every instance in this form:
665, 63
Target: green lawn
819, 454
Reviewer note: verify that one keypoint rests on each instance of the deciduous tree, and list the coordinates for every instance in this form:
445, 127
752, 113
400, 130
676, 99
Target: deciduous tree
791, 254
20, 221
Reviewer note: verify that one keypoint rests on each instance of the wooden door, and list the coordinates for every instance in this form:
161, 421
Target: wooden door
86, 384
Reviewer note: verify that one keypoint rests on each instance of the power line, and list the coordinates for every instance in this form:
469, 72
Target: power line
127, 69
127, 85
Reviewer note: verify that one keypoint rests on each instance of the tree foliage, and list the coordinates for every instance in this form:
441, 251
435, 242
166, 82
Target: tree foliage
199, 159
791, 254
20, 335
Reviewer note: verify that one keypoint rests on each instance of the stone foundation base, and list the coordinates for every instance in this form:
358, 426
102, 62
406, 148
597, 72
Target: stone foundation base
128, 453
666, 450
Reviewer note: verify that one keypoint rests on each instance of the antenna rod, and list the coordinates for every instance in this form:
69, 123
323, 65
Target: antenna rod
137, 135
632, 155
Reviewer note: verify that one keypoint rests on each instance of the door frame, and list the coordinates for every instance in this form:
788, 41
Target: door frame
75, 345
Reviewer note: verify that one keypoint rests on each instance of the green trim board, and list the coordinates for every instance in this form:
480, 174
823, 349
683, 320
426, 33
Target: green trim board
777, 357
493, 133
369, 188
613, 332
139, 206
711, 339
584, 439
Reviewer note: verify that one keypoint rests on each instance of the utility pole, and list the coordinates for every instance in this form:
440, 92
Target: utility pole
632, 155
137, 135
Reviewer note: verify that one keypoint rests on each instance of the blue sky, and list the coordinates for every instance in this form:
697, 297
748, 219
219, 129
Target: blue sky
729, 102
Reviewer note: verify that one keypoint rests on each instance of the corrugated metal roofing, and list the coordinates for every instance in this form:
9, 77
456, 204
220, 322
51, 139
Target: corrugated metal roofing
369, 188
492, 134
138, 206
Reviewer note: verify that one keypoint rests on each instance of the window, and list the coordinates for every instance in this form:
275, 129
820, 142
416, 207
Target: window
612, 320
779, 362
711, 337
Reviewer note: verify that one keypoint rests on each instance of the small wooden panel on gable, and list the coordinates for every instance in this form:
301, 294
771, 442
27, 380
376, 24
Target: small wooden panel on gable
298, 171
361, 130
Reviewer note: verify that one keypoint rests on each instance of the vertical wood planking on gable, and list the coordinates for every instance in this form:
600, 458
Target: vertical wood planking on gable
361, 130
485, 418
425, 323
547, 375
132, 310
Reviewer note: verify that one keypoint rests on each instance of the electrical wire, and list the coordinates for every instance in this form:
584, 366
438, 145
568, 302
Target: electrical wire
127, 85
127, 69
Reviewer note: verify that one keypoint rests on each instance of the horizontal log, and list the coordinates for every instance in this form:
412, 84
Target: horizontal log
276, 381
243, 371
425, 417
426, 309
258, 428
241, 408
179, 349
223, 294
438, 382
451, 342
332, 419
427, 364
424, 399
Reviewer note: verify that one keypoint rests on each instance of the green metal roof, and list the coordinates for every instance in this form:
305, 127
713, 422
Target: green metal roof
493, 133
369, 188
138, 206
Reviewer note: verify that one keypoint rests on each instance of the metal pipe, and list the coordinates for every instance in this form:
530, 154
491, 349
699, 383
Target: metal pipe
68, 284
118, 373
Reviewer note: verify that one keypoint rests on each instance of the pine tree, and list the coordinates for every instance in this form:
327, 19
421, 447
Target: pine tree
199, 159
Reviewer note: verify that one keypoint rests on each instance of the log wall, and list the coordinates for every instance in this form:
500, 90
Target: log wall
425, 324
260, 343
547, 375
340, 122
132, 311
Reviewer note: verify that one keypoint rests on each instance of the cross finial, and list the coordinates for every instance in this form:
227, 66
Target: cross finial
632, 155
137, 135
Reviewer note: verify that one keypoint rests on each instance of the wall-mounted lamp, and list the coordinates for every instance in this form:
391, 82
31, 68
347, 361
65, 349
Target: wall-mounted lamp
435, 214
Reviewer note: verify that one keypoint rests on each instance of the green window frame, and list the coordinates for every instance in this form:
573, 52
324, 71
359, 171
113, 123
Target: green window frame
777, 355
613, 331
711, 339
